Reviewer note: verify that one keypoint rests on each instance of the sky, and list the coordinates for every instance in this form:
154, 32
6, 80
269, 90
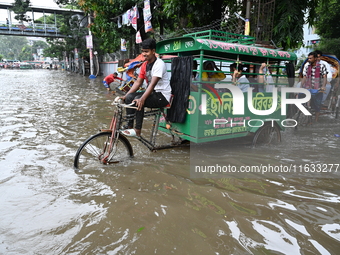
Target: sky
40, 3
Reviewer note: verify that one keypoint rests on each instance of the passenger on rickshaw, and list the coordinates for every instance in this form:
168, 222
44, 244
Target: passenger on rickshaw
266, 78
157, 93
207, 76
314, 79
212, 76
253, 83
238, 78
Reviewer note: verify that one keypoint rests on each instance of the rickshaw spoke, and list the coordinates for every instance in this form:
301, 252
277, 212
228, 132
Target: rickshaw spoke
267, 135
98, 150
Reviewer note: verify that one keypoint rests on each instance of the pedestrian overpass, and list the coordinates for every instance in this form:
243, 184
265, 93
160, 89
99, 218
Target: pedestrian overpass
13, 27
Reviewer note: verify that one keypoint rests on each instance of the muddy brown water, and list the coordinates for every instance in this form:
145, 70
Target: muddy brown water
150, 205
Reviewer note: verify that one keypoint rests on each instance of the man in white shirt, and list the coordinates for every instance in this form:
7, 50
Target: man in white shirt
239, 79
157, 93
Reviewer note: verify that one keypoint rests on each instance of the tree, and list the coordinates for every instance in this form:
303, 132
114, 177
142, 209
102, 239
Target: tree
327, 26
290, 16
194, 13
20, 8
26, 53
39, 45
330, 46
172, 15
11, 46
327, 21
70, 26
104, 17
56, 49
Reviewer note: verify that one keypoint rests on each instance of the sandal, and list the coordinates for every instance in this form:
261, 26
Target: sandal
130, 132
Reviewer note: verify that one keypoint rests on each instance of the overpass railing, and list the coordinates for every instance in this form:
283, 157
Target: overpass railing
29, 29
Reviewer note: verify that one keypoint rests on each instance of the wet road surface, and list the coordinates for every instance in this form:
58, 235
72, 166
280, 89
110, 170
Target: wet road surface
150, 205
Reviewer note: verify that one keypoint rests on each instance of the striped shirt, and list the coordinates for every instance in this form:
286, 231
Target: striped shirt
312, 81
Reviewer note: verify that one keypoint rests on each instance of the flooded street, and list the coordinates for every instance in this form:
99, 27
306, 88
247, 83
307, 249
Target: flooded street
150, 205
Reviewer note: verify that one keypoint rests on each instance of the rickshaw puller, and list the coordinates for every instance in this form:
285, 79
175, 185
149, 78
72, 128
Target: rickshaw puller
157, 93
315, 78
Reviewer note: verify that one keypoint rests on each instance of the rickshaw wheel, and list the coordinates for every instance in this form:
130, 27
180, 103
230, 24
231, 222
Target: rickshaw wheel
337, 107
268, 134
302, 119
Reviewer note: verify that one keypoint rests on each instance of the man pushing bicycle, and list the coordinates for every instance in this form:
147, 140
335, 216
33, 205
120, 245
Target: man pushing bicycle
315, 79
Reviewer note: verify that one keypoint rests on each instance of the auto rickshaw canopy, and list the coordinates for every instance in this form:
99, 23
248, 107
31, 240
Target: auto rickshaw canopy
218, 43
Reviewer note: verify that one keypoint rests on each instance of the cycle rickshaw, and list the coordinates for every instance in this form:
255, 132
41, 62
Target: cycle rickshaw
331, 101
211, 111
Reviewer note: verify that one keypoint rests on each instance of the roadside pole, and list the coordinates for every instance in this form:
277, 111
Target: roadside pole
89, 43
247, 24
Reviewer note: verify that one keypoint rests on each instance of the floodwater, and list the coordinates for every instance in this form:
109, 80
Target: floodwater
150, 205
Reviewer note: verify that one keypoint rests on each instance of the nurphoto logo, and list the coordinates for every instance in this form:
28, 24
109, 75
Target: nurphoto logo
238, 106
238, 101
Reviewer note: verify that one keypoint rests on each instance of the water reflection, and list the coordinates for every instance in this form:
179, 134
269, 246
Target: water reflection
151, 205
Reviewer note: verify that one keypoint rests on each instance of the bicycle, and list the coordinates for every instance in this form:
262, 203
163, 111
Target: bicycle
300, 117
305, 120
334, 102
110, 146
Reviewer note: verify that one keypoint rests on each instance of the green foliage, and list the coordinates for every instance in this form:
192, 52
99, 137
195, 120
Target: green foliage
104, 22
327, 26
289, 21
330, 46
26, 53
67, 2
70, 26
169, 15
189, 13
20, 8
327, 23
301, 60
50, 19
39, 45
16, 47
11, 46
56, 48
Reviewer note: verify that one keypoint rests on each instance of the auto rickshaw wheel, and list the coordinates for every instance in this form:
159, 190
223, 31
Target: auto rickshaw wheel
268, 134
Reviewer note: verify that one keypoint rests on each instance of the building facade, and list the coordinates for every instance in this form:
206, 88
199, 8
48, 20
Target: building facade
310, 39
